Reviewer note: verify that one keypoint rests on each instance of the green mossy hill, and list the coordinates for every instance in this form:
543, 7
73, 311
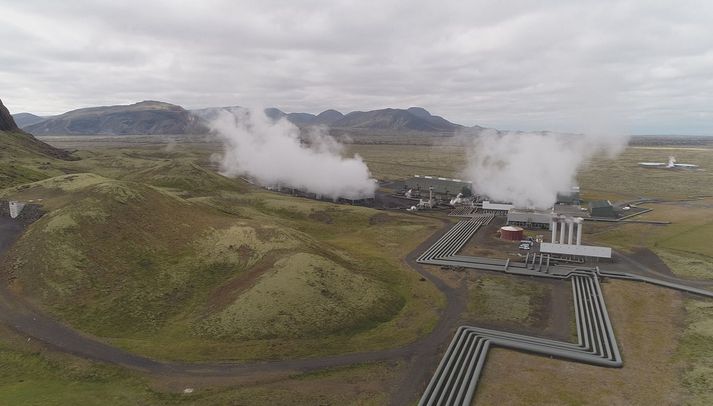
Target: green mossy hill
304, 295
184, 176
132, 261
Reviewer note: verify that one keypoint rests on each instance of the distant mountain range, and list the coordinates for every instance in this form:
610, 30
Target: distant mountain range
153, 117
146, 117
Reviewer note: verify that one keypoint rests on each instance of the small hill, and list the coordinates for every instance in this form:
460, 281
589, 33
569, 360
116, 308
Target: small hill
27, 119
146, 117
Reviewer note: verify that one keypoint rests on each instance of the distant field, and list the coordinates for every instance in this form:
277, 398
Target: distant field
684, 245
617, 179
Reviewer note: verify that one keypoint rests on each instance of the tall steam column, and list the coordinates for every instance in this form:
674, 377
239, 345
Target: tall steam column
570, 223
554, 229
563, 229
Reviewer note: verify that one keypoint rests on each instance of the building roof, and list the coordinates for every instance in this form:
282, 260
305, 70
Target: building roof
580, 250
488, 205
530, 216
439, 185
597, 204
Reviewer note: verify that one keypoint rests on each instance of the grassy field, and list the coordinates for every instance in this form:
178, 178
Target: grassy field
595, 178
684, 245
696, 349
506, 301
33, 376
646, 320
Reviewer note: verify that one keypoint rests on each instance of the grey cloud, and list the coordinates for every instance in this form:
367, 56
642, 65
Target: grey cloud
513, 65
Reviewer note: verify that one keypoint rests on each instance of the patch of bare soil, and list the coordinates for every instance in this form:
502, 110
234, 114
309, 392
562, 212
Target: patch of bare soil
647, 321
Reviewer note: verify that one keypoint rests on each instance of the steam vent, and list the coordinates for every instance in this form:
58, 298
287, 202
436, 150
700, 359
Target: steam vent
511, 233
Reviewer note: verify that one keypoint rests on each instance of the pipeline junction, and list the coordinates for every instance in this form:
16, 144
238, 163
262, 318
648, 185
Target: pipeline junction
456, 377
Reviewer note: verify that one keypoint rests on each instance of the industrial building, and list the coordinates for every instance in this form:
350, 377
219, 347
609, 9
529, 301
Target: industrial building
571, 210
499, 209
530, 219
442, 187
567, 240
602, 208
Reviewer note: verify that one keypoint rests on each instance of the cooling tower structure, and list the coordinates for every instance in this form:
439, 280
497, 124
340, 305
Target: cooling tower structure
567, 229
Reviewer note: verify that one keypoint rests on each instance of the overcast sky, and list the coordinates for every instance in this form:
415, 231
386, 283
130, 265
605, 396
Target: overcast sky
631, 66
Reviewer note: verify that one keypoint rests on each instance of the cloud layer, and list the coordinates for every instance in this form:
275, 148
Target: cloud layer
273, 154
511, 65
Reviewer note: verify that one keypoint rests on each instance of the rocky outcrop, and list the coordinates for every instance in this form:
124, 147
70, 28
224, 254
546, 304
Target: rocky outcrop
7, 123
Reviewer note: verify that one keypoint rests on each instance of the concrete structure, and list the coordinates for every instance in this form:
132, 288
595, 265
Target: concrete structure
602, 208
15, 209
575, 250
440, 186
531, 219
511, 233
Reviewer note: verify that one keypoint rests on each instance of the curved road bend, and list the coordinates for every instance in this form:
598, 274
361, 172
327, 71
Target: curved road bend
424, 353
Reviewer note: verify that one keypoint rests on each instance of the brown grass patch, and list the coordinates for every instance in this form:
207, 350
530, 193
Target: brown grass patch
647, 321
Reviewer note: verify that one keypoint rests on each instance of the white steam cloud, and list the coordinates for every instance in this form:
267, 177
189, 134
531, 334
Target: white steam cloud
272, 153
530, 169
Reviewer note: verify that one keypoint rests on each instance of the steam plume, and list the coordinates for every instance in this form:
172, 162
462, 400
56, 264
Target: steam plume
529, 169
272, 153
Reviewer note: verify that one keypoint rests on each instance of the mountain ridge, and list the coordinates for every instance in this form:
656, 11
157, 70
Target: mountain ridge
157, 118
147, 117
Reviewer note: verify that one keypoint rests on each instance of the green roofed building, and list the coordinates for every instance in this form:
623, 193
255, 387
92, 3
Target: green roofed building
602, 208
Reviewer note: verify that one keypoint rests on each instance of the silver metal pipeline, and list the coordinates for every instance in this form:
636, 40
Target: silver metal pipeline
456, 377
